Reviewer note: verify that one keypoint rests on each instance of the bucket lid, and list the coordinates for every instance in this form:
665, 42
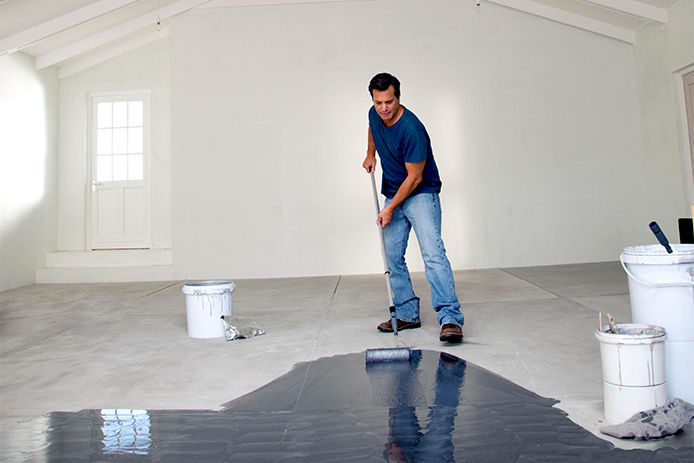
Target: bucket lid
657, 254
208, 287
632, 333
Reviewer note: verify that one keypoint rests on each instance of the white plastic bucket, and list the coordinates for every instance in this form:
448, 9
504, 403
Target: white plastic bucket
661, 290
633, 370
206, 302
621, 402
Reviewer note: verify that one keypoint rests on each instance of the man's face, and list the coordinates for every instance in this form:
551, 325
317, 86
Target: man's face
386, 103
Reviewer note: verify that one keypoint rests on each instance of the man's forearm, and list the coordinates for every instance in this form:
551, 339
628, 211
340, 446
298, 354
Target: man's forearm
414, 177
405, 190
370, 162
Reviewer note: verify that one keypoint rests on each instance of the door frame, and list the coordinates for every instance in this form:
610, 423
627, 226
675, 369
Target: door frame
688, 119
145, 95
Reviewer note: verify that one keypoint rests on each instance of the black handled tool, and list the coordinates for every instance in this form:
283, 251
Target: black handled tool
661, 236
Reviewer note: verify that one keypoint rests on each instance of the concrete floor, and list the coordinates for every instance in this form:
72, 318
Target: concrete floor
124, 345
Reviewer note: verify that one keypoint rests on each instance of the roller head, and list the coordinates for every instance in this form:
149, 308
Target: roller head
399, 354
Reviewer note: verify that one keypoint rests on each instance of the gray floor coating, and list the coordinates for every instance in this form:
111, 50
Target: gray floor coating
430, 408
75, 347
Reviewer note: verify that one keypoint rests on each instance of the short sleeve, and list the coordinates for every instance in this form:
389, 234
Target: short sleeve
416, 146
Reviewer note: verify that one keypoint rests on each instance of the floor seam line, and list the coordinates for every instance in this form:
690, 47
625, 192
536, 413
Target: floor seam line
157, 291
315, 345
531, 283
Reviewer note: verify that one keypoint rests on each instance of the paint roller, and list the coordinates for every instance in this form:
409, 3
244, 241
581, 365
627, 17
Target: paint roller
661, 236
384, 355
393, 319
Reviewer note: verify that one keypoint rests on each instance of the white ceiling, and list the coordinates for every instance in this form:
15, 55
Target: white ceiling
76, 34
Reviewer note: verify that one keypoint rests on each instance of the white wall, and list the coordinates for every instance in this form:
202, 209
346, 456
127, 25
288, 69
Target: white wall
663, 55
555, 145
535, 127
28, 159
146, 68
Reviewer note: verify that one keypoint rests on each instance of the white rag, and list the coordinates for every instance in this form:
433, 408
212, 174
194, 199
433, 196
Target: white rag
655, 423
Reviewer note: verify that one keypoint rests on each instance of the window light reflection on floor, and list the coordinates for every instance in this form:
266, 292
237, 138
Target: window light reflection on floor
125, 431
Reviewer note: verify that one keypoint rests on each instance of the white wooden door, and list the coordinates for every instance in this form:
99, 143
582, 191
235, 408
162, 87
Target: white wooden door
119, 145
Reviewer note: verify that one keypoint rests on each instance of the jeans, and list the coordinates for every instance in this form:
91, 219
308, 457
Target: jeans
423, 213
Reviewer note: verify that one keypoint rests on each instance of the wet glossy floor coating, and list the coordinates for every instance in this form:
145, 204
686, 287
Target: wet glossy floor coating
434, 408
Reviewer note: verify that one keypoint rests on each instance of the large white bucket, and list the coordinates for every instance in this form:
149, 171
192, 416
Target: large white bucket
661, 289
633, 370
206, 302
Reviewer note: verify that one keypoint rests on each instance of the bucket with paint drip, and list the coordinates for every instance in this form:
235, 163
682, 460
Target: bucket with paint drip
633, 369
661, 290
206, 302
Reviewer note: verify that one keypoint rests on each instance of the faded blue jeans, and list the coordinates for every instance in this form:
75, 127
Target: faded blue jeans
423, 213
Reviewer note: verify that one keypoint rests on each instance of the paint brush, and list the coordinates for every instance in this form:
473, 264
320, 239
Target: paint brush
613, 326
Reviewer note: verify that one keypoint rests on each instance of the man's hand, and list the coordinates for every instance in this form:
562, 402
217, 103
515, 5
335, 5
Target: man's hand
369, 163
385, 217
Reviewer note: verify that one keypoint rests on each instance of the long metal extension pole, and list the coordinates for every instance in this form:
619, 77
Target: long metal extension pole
393, 319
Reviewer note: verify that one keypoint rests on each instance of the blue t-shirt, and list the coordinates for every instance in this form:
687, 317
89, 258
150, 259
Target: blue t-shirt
405, 141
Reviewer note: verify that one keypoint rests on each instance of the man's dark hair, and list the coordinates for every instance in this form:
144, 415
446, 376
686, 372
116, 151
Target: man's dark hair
382, 82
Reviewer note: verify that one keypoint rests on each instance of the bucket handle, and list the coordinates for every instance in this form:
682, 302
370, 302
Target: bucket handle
652, 285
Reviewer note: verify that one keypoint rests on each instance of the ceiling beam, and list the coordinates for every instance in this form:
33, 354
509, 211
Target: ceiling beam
244, 3
572, 19
634, 8
34, 34
103, 55
121, 30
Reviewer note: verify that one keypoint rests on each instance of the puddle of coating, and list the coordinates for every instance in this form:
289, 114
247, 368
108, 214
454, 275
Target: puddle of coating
434, 408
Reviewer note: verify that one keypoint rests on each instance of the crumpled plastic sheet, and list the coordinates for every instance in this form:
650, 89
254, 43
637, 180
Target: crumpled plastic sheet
655, 423
240, 328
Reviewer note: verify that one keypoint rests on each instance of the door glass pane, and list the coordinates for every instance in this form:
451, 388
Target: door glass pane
135, 142
120, 141
103, 115
120, 167
135, 167
135, 114
104, 169
120, 114
104, 141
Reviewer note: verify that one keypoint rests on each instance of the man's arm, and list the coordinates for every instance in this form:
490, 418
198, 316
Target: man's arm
370, 162
414, 177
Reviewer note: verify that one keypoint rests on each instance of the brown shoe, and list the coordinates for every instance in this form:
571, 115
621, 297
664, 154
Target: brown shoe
387, 327
450, 333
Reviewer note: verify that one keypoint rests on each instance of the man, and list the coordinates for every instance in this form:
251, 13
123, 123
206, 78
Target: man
411, 185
